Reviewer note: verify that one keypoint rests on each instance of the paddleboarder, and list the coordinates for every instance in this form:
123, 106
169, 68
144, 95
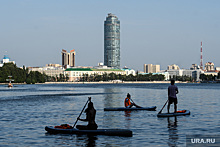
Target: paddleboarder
172, 98
90, 117
128, 103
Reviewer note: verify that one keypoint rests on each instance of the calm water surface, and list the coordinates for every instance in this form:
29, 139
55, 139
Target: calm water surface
26, 110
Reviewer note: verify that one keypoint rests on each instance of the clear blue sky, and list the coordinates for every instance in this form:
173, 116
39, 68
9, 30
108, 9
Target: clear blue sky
165, 32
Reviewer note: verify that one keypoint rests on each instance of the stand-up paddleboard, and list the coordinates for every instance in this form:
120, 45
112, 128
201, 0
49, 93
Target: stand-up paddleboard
153, 108
179, 113
109, 132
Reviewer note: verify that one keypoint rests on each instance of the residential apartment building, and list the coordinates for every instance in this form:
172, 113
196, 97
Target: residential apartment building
150, 68
209, 66
173, 67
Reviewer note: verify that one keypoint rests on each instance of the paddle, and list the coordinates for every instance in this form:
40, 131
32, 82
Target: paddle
163, 107
135, 104
89, 99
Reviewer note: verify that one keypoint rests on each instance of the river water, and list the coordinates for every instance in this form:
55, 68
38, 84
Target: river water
26, 110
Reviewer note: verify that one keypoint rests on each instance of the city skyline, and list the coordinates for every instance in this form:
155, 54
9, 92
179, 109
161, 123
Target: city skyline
164, 33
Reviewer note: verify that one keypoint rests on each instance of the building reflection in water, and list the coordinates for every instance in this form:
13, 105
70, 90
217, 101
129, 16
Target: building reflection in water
173, 131
114, 97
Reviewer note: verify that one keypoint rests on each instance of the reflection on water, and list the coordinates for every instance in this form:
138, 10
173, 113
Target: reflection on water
27, 109
75, 140
128, 119
127, 115
89, 141
173, 131
112, 98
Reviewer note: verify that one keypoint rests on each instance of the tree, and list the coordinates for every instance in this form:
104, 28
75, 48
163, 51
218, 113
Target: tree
20, 75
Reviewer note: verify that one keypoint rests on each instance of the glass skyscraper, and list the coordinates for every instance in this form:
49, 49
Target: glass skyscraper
112, 41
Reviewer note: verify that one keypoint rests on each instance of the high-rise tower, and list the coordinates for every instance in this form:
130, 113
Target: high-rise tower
112, 41
68, 59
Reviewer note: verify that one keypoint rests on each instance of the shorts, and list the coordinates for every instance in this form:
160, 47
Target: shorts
172, 100
88, 127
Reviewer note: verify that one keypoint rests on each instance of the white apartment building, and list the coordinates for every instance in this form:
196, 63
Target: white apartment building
195, 74
173, 67
211, 73
209, 66
49, 70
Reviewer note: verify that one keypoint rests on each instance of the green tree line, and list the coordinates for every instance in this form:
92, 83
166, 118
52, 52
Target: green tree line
204, 77
20, 75
60, 78
113, 76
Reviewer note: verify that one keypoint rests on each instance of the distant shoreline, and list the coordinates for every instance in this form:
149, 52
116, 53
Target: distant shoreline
113, 82
102, 82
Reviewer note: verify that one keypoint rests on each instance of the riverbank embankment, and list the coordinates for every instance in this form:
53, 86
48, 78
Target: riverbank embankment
102, 82
114, 82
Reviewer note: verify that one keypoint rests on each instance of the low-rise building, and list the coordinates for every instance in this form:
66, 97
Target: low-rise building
75, 74
129, 71
211, 73
194, 67
217, 69
52, 71
194, 74
166, 75
6, 59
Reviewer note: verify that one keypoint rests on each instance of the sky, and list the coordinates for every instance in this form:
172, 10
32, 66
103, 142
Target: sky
34, 32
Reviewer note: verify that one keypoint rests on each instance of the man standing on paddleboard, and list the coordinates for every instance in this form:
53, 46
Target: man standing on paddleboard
172, 91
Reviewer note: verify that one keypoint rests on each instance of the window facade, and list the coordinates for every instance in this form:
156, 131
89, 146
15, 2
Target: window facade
112, 41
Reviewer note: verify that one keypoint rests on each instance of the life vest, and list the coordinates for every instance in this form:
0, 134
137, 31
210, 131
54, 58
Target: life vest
127, 102
182, 111
64, 126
